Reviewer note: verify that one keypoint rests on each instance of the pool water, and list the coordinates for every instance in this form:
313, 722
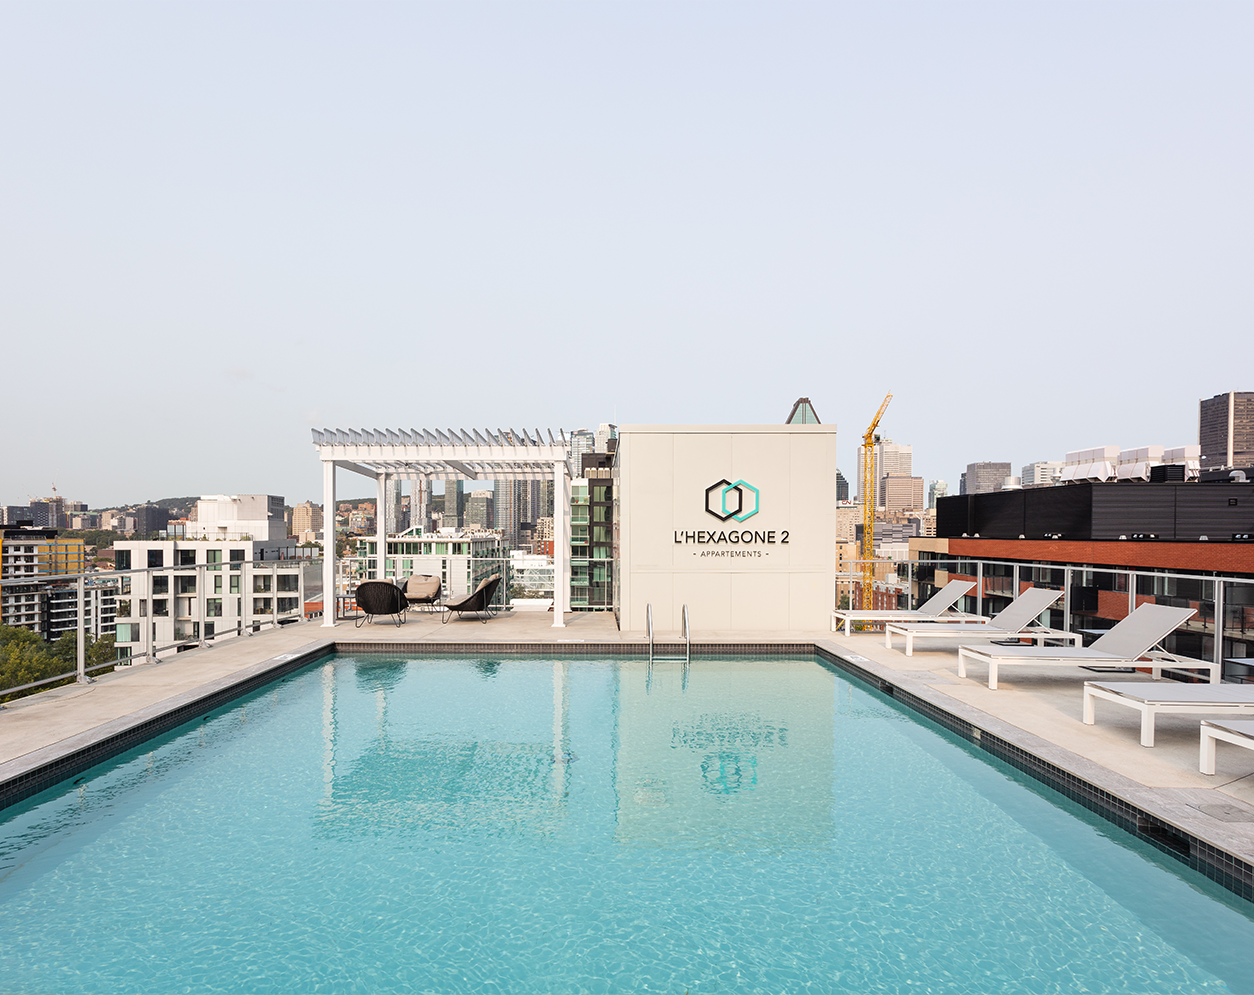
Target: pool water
374, 824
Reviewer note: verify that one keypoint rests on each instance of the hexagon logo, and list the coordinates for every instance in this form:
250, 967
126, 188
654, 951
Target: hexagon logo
725, 499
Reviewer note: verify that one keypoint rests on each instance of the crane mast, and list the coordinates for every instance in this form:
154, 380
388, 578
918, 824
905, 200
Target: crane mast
868, 506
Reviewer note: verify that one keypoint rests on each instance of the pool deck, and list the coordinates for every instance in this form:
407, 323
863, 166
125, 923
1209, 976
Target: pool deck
1035, 710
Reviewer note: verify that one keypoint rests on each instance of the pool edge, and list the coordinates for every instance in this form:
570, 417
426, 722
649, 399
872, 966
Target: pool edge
1169, 825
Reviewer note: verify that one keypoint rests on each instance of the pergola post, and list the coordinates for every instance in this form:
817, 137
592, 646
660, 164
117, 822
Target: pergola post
561, 544
381, 523
328, 542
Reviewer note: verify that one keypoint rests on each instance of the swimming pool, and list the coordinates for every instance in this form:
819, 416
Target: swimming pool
378, 824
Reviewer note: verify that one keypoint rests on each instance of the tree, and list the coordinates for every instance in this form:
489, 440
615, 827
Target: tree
25, 658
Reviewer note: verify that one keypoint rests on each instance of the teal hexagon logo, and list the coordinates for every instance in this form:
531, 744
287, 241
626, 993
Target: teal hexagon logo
736, 500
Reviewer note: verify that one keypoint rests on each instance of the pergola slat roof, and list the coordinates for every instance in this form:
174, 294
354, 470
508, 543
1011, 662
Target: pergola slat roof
438, 454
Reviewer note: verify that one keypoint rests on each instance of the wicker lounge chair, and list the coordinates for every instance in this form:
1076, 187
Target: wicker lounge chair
479, 600
380, 597
422, 589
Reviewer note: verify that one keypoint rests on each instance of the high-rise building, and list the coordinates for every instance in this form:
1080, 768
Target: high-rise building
606, 437
453, 504
936, 489
306, 517
889, 457
901, 493
842, 487
986, 477
581, 441
802, 413
479, 510
152, 518
1043, 473
1225, 430
503, 512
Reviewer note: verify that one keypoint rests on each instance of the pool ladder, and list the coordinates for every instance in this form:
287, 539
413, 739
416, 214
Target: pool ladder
686, 631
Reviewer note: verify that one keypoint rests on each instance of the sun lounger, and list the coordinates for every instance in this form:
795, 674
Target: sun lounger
941, 601
1168, 699
1017, 619
1123, 645
1238, 732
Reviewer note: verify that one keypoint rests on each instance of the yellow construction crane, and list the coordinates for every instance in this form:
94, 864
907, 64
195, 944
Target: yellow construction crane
869, 484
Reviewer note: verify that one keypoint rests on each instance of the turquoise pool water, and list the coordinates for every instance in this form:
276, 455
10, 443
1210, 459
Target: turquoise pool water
383, 825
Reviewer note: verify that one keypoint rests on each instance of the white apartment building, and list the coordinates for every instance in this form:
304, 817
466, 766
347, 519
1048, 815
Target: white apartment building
233, 585
239, 516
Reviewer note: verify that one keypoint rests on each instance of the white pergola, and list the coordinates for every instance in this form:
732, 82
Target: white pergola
432, 454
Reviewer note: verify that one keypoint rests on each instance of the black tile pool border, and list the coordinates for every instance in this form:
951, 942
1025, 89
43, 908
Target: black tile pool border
27, 776
1225, 869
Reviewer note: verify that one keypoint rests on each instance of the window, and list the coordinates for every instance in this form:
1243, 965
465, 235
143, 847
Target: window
261, 583
185, 585
161, 585
187, 557
213, 607
122, 559
124, 607
261, 606
125, 586
156, 558
235, 584
213, 556
217, 585
289, 582
161, 607
126, 632
143, 607
289, 604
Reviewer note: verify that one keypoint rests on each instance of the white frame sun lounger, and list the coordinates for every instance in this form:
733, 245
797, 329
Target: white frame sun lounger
1123, 645
1171, 698
1017, 619
941, 601
1238, 732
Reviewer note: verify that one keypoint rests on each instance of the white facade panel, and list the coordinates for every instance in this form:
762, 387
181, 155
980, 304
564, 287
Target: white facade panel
736, 521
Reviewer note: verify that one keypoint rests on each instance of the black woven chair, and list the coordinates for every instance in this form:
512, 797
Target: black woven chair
380, 597
480, 600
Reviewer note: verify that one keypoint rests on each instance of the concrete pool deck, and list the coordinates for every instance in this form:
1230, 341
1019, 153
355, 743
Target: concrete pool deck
1035, 712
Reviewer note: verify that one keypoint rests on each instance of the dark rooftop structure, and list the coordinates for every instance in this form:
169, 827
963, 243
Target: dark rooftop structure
1175, 512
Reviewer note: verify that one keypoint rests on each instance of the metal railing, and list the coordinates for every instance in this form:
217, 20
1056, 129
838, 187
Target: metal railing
459, 574
1094, 598
154, 610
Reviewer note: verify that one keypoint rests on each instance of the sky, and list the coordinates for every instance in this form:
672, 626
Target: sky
224, 224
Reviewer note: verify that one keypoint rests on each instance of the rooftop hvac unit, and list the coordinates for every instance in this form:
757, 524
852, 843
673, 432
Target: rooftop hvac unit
1165, 472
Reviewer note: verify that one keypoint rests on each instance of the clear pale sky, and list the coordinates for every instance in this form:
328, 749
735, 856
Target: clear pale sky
223, 224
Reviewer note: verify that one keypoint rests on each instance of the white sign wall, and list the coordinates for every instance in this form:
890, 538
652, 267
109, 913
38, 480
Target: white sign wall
736, 521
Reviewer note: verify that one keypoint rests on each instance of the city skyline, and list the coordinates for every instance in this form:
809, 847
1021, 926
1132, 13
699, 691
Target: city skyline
716, 209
